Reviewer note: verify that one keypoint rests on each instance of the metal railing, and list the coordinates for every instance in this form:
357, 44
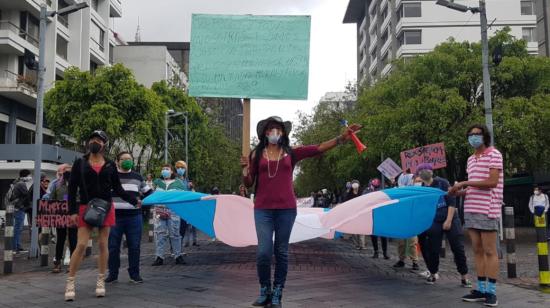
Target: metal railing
100, 46
8, 25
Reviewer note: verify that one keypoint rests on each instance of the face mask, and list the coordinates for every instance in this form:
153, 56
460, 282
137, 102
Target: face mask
418, 184
475, 141
355, 186
127, 164
348, 186
95, 147
273, 137
425, 175
537, 192
181, 171
66, 176
166, 173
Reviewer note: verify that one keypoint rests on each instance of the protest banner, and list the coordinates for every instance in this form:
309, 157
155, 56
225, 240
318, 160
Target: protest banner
432, 153
389, 169
53, 214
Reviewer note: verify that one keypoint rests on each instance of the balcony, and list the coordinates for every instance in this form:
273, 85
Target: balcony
14, 40
373, 65
372, 5
385, 23
363, 61
373, 43
363, 26
383, 5
21, 88
373, 23
115, 9
386, 70
385, 47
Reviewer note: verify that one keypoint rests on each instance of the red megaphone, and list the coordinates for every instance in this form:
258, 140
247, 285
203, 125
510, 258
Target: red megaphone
361, 148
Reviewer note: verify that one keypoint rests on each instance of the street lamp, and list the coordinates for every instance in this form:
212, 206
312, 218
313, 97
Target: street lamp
169, 114
44, 15
484, 56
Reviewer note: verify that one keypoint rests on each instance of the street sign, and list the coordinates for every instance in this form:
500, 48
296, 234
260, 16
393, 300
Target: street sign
247, 56
389, 169
432, 153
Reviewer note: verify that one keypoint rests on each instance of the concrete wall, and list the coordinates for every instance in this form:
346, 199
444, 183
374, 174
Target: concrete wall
147, 62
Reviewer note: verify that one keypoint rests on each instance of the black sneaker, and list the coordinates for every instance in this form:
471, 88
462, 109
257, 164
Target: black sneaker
375, 255
386, 257
158, 261
415, 267
491, 300
179, 260
474, 296
136, 279
399, 264
111, 279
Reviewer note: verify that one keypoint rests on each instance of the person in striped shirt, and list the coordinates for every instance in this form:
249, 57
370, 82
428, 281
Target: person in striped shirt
483, 192
128, 220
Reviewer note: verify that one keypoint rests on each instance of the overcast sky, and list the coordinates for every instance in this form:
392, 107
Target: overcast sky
332, 50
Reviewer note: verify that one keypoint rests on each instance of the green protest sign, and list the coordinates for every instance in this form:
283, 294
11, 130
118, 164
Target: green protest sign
246, 56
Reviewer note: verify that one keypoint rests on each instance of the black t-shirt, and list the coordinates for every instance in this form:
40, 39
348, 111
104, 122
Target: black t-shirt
444, 201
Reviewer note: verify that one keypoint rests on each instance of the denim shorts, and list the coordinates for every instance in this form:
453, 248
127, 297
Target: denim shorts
480, 222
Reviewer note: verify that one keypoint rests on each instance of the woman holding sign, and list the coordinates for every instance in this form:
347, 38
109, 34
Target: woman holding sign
94, 178
269, 167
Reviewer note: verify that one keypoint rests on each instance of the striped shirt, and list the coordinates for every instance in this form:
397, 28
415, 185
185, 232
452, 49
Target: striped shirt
487, 201
134, 185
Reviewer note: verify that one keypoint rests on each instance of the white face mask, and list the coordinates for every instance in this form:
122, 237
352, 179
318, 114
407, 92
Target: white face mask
355, 186
273, 136
418, 184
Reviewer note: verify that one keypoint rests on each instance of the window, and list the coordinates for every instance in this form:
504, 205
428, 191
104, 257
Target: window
529, 34
24, 136
527, 7
412, 37
93, 67
62, 47
111, 54
373, 56
385, 13
64, 20
29, 28
97, 35
3, 129
384, 37
412, 9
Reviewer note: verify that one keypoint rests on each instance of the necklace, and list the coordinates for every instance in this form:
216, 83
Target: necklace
268, 164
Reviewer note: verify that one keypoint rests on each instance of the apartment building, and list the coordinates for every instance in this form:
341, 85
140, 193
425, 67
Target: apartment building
390, 29
81, 39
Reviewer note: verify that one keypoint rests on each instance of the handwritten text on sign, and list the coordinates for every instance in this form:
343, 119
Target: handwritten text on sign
53, 214
433, 154
246, 56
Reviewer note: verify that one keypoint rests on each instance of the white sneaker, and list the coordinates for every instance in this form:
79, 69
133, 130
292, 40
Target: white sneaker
424, 274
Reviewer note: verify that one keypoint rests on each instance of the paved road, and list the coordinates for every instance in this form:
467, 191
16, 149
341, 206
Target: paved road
322, 274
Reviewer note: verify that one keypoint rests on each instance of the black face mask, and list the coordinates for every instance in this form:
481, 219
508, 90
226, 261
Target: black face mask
66, 176
95, 147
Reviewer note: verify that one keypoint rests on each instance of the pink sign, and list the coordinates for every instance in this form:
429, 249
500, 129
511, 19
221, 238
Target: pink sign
432, 153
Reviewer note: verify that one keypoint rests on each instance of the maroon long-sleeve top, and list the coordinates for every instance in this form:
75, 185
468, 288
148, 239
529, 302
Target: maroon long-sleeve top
274, 189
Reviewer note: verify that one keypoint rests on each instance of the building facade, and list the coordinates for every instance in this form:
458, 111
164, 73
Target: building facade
542, 8
151, 63
390, 29
82, 39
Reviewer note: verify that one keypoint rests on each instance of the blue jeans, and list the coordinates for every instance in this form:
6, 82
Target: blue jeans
164, 230
19, 216
269, 222
132, 227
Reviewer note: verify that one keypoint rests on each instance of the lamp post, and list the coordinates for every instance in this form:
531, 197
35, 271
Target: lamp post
167, 115
44, 15
484, 56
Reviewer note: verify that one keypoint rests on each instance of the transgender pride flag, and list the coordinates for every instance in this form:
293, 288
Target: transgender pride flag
396, 213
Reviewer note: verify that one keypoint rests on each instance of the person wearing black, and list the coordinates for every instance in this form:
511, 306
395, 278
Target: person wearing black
22, 202
93, 177
446, 222
60, 192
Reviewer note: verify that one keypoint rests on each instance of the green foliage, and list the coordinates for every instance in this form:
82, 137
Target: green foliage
435, 98
134, 118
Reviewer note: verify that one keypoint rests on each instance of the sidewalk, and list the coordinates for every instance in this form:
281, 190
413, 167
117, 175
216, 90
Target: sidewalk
322, 273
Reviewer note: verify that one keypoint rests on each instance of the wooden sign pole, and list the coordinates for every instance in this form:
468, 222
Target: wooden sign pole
246, 127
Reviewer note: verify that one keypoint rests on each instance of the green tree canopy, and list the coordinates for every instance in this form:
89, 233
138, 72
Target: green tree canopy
435, 98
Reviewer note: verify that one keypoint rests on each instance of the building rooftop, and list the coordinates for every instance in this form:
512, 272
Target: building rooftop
355, 11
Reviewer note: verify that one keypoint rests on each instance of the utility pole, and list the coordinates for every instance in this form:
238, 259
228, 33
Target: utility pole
486, 77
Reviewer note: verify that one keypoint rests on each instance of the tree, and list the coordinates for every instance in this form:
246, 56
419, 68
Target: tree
111, 100
435, 98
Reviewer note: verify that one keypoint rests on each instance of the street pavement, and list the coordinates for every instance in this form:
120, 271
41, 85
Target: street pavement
322, 273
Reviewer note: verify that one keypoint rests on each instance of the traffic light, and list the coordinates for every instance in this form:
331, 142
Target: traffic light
30, 60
